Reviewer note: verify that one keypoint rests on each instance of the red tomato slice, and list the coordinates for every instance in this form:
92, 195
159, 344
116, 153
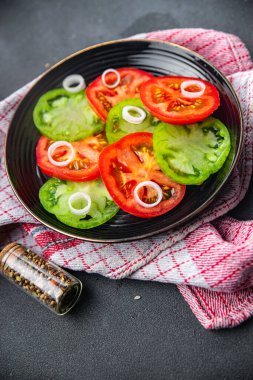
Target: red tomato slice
83, 167
102, 98
163, 98
130, 161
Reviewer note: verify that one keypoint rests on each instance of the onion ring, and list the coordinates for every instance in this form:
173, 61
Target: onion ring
133, 119
76, 80
155, 187
76, 196
192, 94
117, 81
56, 145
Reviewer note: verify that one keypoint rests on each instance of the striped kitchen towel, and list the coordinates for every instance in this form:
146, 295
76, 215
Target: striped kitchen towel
211, 258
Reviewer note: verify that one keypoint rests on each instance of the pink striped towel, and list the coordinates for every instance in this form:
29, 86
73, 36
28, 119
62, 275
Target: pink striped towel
211, 258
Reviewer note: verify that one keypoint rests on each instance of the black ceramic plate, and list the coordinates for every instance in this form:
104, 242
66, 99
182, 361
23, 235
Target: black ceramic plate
158, 58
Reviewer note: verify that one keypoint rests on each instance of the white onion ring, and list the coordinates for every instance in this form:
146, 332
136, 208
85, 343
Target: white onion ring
56, 145
78, 195
195, 94
133, 119
155, 187
117, 81
76, 80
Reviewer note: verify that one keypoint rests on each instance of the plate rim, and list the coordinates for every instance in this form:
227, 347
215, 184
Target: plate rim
185, 219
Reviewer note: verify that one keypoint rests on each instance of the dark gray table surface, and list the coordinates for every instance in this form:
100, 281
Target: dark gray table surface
109, 335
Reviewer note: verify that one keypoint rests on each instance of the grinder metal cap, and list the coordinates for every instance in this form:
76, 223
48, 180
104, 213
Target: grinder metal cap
6, 251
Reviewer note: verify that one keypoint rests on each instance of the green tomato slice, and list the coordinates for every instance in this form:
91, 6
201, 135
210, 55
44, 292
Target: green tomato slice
54, 196
189, 154
117, 127
61, 115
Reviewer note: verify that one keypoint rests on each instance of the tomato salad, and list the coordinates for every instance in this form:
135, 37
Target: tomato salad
128, 141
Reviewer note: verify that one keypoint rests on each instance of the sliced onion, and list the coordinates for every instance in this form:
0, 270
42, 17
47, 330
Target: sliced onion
76, 196
74, 83
194, 94
133, 119
117, 81
155, 187
56, 145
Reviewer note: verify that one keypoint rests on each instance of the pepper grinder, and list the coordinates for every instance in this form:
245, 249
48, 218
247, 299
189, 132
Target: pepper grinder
46, 282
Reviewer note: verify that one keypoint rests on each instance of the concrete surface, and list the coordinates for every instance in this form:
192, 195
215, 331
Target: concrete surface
110, 335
